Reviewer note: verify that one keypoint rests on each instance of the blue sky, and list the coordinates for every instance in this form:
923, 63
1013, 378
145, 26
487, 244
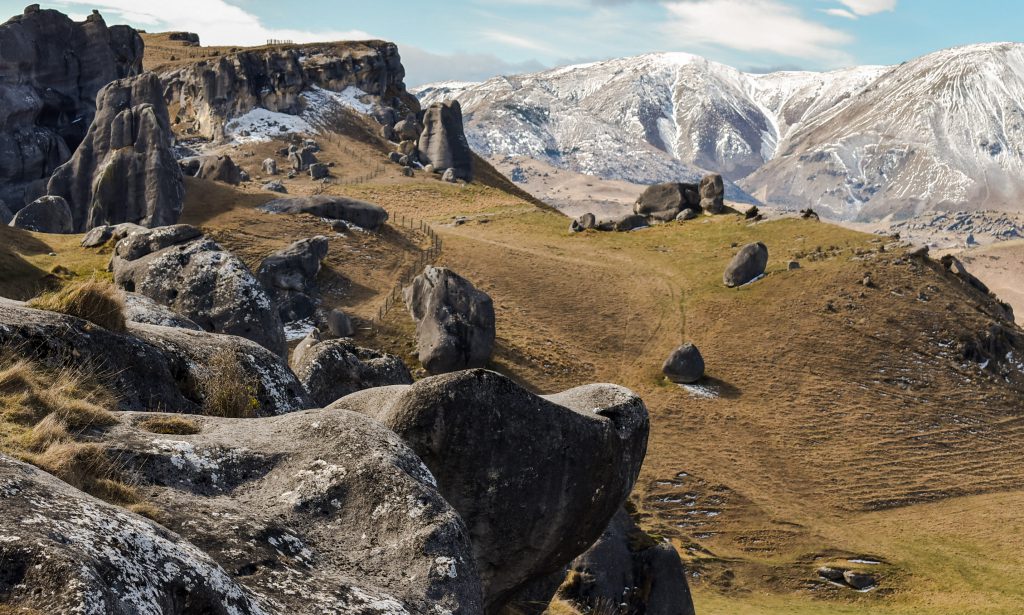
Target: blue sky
475, 39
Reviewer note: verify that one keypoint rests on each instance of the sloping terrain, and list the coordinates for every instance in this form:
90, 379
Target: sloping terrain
941, 132
857, 410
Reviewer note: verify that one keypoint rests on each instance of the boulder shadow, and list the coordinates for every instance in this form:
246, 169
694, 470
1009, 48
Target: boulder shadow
724, 389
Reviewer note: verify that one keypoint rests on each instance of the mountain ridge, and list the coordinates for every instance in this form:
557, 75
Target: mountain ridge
789, 138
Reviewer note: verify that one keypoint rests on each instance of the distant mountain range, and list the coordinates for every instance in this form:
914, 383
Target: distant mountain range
942, 132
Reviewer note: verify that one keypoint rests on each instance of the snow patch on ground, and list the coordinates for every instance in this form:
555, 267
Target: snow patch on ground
700, 391
298, 329
260, 125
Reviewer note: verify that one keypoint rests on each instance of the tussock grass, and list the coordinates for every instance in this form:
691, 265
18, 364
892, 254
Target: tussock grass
96, 301
228, 390
170, 425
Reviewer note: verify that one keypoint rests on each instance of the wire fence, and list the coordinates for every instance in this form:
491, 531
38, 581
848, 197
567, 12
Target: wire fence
426, 257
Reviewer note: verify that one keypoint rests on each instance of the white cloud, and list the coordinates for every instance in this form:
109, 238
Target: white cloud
869, 7
840, 13
422, 67
755, 26
521, 42
216, 21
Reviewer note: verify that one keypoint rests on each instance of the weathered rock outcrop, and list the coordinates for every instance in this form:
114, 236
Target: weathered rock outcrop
443, 141
685, 365
47, 214
124, 170
455, 326
177, 267
93, 557
150, 367
583, 222
141, 309
99, 235
712, 194
308, 513
664, 201
362, 214
629, 568
219, 169
209, 94
622, 224
332, 369
565, 464
289, 275
748, 264
51, 69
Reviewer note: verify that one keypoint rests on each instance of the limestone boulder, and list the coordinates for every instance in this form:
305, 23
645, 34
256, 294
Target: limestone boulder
51, 71
628, 567
362, 214
47, 214
219, 169
455, 326
289, 275
192, 275
332, 369
685, 365
93, 557
443, 141
565, 464
124, 170
748, 265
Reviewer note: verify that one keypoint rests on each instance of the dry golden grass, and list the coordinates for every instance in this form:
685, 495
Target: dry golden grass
99, 302
228, 390
170, 425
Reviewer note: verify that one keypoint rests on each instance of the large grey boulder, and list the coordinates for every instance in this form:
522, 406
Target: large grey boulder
584, 222
141, 309
289, 275
712, 194
47, 214
219, 169
92, 557
51, 70
332, 369
664, 201
139, 373
317, 511
99, 235
627, 567
362, 214
408, 129
195, 277
124, 170
301, 158
443, 141
149, 367
748, 264
275, 389
685, 365
629, 222
455, 326
537, 479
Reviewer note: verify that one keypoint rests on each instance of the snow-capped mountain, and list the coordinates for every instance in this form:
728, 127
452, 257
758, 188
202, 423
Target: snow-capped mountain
944, 131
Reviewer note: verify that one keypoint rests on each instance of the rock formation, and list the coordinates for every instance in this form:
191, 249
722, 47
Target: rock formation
566, 463
124, 170
332, 369
93, 557
748, 264
289, 275
664, 202
50, 72
712, 194
362, 214
208, 94
177, 267
151, 366
443, 141
220, 169
685, 365
629, 568
454, 321
583, 222
47, 214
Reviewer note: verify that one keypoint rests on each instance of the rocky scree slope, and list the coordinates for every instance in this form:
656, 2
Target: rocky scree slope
939, 132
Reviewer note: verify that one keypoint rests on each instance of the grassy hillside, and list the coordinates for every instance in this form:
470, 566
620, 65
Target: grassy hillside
838, 422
